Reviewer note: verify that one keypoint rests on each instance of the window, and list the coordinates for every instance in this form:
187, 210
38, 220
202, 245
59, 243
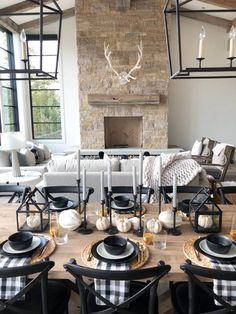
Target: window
10, 119
45, 94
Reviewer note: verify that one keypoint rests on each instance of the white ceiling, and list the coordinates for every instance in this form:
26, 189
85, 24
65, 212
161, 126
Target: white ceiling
63, 4
198, 5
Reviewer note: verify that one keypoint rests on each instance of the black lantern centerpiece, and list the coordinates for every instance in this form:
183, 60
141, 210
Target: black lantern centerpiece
31, 215
204, 214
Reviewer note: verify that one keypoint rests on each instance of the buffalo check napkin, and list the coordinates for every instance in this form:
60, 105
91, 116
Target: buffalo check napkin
9, 287
115, 291
223, 288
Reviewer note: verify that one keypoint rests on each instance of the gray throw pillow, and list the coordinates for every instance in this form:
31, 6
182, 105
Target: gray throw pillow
21, 158
5, 158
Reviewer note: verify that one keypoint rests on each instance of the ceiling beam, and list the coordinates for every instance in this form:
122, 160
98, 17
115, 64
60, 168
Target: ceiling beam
229, 4
9, 24
49, 19
21, 7
206, 18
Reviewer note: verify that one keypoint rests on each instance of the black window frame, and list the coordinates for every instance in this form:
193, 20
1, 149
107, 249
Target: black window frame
13, 86
45, 38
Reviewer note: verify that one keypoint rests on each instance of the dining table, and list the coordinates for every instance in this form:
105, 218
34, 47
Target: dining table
173, 254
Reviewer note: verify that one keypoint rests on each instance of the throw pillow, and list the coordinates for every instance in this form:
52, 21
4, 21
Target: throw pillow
47, 154
197, 148
21, 158
38, 153
219, 154
29, 156
126, 165
5, 158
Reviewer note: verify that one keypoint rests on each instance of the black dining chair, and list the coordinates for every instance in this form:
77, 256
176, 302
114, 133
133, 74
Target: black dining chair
146, 192
49, 191
227, 192
143, 294
186, 189
39, 295
197, 295
15, 193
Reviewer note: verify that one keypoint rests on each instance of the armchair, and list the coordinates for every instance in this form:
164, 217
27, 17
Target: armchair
222, 156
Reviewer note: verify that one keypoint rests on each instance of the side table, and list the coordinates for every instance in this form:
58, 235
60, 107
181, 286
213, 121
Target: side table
29, 178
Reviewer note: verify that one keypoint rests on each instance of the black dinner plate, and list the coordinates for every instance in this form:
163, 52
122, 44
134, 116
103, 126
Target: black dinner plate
26, 254
213, 257
124, 209
70, 205
115, 261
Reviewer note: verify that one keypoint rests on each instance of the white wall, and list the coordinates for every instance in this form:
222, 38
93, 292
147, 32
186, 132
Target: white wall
202, 107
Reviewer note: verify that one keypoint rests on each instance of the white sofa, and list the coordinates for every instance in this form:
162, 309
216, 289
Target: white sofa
64, 173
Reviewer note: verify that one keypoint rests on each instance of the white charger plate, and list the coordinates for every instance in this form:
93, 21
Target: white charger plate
231, 254
103, 253
8, 249
130, 205
69, 205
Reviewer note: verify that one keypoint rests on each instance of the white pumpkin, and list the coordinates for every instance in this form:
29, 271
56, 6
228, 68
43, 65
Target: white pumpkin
166, 218
154, 225
70, 219
205, 221
33, 221
123, 224
135, 222
102, 223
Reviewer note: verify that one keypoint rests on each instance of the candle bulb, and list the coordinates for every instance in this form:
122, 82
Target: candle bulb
78, 164
84, 184
159, 171
140, 168
23, 45
202, 36
134, 181
102, 185
174, 191
109, 177
232, 35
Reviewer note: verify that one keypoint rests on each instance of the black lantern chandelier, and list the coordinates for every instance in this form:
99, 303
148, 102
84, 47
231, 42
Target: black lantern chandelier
43, 12
199, 64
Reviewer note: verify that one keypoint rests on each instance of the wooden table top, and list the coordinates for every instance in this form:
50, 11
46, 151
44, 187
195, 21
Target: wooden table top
172, 255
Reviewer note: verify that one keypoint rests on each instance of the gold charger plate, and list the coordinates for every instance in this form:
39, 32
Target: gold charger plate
48, 249
138, 262
189, 252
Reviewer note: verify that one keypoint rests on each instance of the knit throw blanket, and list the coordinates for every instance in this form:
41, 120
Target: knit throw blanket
180, 164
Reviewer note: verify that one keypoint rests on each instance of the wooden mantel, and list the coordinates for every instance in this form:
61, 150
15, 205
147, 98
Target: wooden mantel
96, 100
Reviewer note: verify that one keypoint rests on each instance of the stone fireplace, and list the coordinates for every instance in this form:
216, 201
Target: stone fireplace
103, 100
123, 132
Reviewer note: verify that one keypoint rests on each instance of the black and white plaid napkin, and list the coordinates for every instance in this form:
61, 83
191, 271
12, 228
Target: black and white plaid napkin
223, 288
115, 291
9, 287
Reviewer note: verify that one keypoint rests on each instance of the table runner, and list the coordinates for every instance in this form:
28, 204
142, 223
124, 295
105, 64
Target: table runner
12, 285
115, 291
223, 288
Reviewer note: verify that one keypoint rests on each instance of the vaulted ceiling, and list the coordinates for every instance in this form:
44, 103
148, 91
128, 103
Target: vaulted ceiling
17, 23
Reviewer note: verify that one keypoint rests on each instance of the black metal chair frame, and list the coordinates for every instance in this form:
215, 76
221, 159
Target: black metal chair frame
129, 190
226, 190
154, 274
165, 190
48, 190
18, 191
42, 269
193, 271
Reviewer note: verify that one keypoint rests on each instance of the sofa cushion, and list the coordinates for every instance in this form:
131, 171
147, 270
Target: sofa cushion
126, 165
69, 164
5, 158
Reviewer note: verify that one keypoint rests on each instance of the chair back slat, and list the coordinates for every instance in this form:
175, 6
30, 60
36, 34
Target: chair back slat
14, 191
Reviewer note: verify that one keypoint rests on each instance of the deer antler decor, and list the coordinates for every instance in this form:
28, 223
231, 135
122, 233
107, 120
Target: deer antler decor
124, 77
